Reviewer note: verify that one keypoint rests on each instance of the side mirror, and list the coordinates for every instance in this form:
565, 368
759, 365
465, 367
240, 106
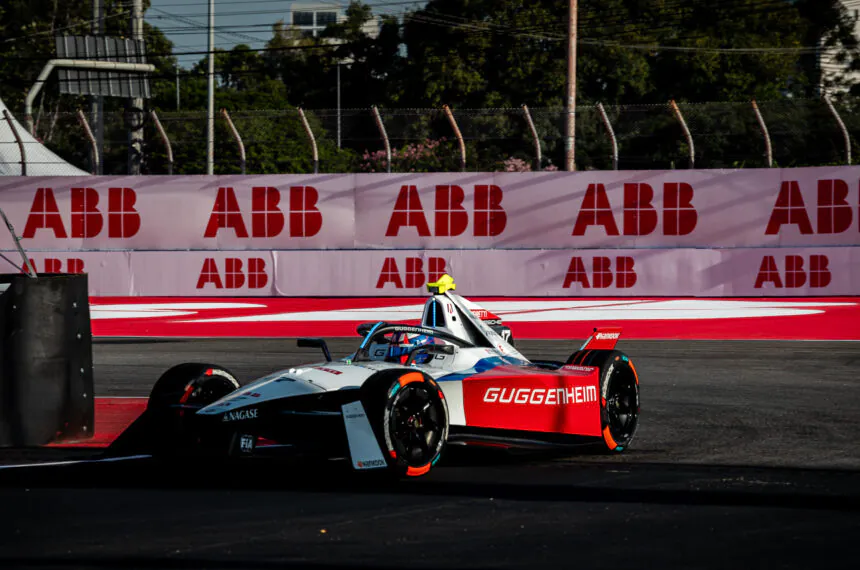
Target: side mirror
315, 343
430, 349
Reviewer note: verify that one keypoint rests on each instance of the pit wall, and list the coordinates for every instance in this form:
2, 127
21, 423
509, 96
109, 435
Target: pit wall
791, 232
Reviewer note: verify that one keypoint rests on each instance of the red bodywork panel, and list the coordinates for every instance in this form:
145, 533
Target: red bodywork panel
508, 397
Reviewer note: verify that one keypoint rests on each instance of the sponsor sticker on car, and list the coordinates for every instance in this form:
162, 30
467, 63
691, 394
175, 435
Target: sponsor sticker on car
541, 396
240, 415
577, 368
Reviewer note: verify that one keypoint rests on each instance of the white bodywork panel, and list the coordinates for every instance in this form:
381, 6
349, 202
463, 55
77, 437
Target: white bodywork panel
337, 375
454, 395
364, 450
278, 385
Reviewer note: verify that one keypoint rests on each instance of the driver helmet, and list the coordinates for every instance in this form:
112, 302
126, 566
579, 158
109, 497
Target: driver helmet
402, 344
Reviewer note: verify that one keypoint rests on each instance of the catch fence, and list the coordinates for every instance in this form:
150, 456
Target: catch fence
785, 133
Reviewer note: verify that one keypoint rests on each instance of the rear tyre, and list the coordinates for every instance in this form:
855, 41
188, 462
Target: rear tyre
410, 416
174, 399
619, 395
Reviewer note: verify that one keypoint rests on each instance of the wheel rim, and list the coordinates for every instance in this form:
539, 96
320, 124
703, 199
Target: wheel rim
417, 424
622, 406
204, 392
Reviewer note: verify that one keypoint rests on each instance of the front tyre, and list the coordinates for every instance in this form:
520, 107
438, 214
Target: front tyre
619, 395
412, 422
176, 397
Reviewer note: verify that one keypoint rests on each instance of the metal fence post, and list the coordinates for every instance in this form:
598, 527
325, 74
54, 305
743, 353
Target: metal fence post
842, 127
164, 139
94, 147
313, 139
236, 136
687, 134
384, 134
611, 132
538, 157
768, 148
459, 136
18, 140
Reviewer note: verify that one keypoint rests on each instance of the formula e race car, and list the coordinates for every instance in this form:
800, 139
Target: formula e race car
406, 393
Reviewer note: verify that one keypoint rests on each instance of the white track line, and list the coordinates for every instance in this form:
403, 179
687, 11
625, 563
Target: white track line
74, 462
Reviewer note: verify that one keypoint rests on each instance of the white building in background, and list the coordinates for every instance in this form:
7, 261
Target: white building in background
311, 18
831, 67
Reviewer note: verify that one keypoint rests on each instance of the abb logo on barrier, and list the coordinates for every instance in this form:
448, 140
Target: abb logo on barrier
602, 275
54, 265
640, 217
795, 273
451, 218
835, 214
413, 276
267, 218
233, 274
123, 220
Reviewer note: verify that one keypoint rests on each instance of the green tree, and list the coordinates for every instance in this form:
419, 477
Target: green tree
368, 64
488, 53
259, 105
829, 25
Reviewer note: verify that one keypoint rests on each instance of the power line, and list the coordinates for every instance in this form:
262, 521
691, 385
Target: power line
87, 23
581, 41
484, 27
343, 4
265, 12
475, 26
193, 23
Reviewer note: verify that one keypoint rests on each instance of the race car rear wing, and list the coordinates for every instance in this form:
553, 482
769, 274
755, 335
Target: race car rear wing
603, 338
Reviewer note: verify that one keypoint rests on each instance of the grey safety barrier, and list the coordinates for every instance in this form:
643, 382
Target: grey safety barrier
46, 365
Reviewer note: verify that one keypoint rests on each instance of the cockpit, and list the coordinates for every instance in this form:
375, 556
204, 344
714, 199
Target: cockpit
405, 344
448, 321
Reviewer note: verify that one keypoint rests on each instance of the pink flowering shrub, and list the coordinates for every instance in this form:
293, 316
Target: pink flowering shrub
516, 165
414, 157
519, 165
438, 155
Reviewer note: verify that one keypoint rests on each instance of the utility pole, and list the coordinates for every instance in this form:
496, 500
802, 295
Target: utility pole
135, 152
570, 140
338, 104
210, 123
176, 68
97, 101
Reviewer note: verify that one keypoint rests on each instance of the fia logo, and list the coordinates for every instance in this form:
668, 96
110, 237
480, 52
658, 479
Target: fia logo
246, 443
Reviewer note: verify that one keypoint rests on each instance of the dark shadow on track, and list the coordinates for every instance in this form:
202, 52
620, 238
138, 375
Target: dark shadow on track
480, 511
181, 563
491, 477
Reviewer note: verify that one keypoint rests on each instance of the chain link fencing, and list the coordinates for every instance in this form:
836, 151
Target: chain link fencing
802, 132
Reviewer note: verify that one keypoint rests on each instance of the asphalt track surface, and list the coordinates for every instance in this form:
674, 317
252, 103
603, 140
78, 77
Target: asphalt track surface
746, 457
